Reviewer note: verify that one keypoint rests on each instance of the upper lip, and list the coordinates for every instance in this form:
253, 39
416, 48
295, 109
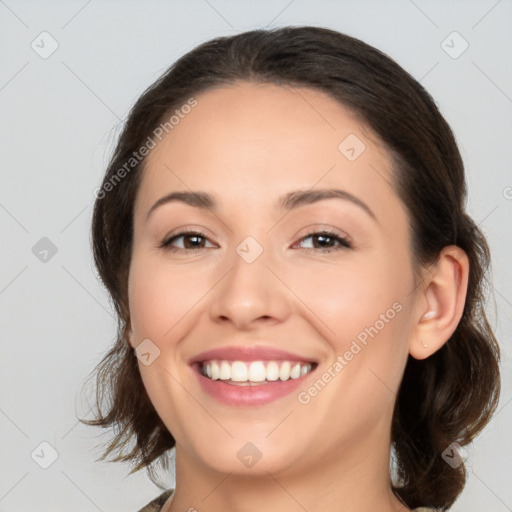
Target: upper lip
254, 353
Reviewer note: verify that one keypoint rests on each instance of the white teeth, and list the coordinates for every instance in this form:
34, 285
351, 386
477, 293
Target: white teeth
225, 371
295, 371
272, 371
255, 371
214, 370
236, 372
284, 371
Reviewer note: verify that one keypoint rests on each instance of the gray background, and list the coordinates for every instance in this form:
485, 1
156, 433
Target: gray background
59, 119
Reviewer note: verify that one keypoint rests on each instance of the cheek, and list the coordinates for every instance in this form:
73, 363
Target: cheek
163, 298
155, 298
362, 310
347, 298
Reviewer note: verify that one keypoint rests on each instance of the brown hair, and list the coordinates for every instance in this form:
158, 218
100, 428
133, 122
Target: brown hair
448, 397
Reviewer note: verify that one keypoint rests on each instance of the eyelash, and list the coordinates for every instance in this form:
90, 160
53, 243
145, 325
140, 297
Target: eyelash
344, 243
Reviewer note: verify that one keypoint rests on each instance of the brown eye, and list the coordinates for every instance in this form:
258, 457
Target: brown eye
326, 241
190, 240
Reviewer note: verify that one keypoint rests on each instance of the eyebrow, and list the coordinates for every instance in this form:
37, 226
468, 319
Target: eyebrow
288, 202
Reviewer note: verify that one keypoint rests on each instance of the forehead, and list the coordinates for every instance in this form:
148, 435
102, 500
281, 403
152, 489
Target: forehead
248, 142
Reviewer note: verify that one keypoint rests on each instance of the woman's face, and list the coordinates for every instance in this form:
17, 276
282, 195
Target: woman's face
261, 276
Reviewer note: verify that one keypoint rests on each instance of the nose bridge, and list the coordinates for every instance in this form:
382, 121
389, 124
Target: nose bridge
249, 290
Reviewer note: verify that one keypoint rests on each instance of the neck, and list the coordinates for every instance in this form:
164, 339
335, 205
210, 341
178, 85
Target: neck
342, 482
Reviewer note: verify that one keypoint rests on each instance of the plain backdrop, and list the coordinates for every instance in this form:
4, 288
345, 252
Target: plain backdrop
69, 73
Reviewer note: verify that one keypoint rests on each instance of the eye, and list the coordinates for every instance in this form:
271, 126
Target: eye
191, 240
326, 241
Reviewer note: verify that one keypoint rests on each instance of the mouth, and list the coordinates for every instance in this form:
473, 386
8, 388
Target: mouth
252, 383
254, 373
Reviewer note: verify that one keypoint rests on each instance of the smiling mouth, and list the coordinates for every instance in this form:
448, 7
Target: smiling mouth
254, 373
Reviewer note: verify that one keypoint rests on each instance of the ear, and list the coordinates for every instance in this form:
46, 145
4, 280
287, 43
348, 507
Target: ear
440, 303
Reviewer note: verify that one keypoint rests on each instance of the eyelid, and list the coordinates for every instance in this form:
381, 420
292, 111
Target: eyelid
188, 228
182, 231
319, 228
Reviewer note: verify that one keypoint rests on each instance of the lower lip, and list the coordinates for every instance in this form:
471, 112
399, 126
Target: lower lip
251, 395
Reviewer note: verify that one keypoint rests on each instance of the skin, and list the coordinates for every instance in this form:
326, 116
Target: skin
248, 144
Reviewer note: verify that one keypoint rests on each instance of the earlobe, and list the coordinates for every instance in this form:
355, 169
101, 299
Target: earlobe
440, 307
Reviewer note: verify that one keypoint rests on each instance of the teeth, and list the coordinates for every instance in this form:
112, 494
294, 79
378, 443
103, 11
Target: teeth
255, 371
295, 371
236, 372
272, 371
284, 371
225, 371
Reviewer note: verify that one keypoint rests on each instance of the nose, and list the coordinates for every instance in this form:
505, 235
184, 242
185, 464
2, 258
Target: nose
250, 294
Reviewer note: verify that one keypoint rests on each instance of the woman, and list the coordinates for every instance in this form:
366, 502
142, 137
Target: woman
282, 230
